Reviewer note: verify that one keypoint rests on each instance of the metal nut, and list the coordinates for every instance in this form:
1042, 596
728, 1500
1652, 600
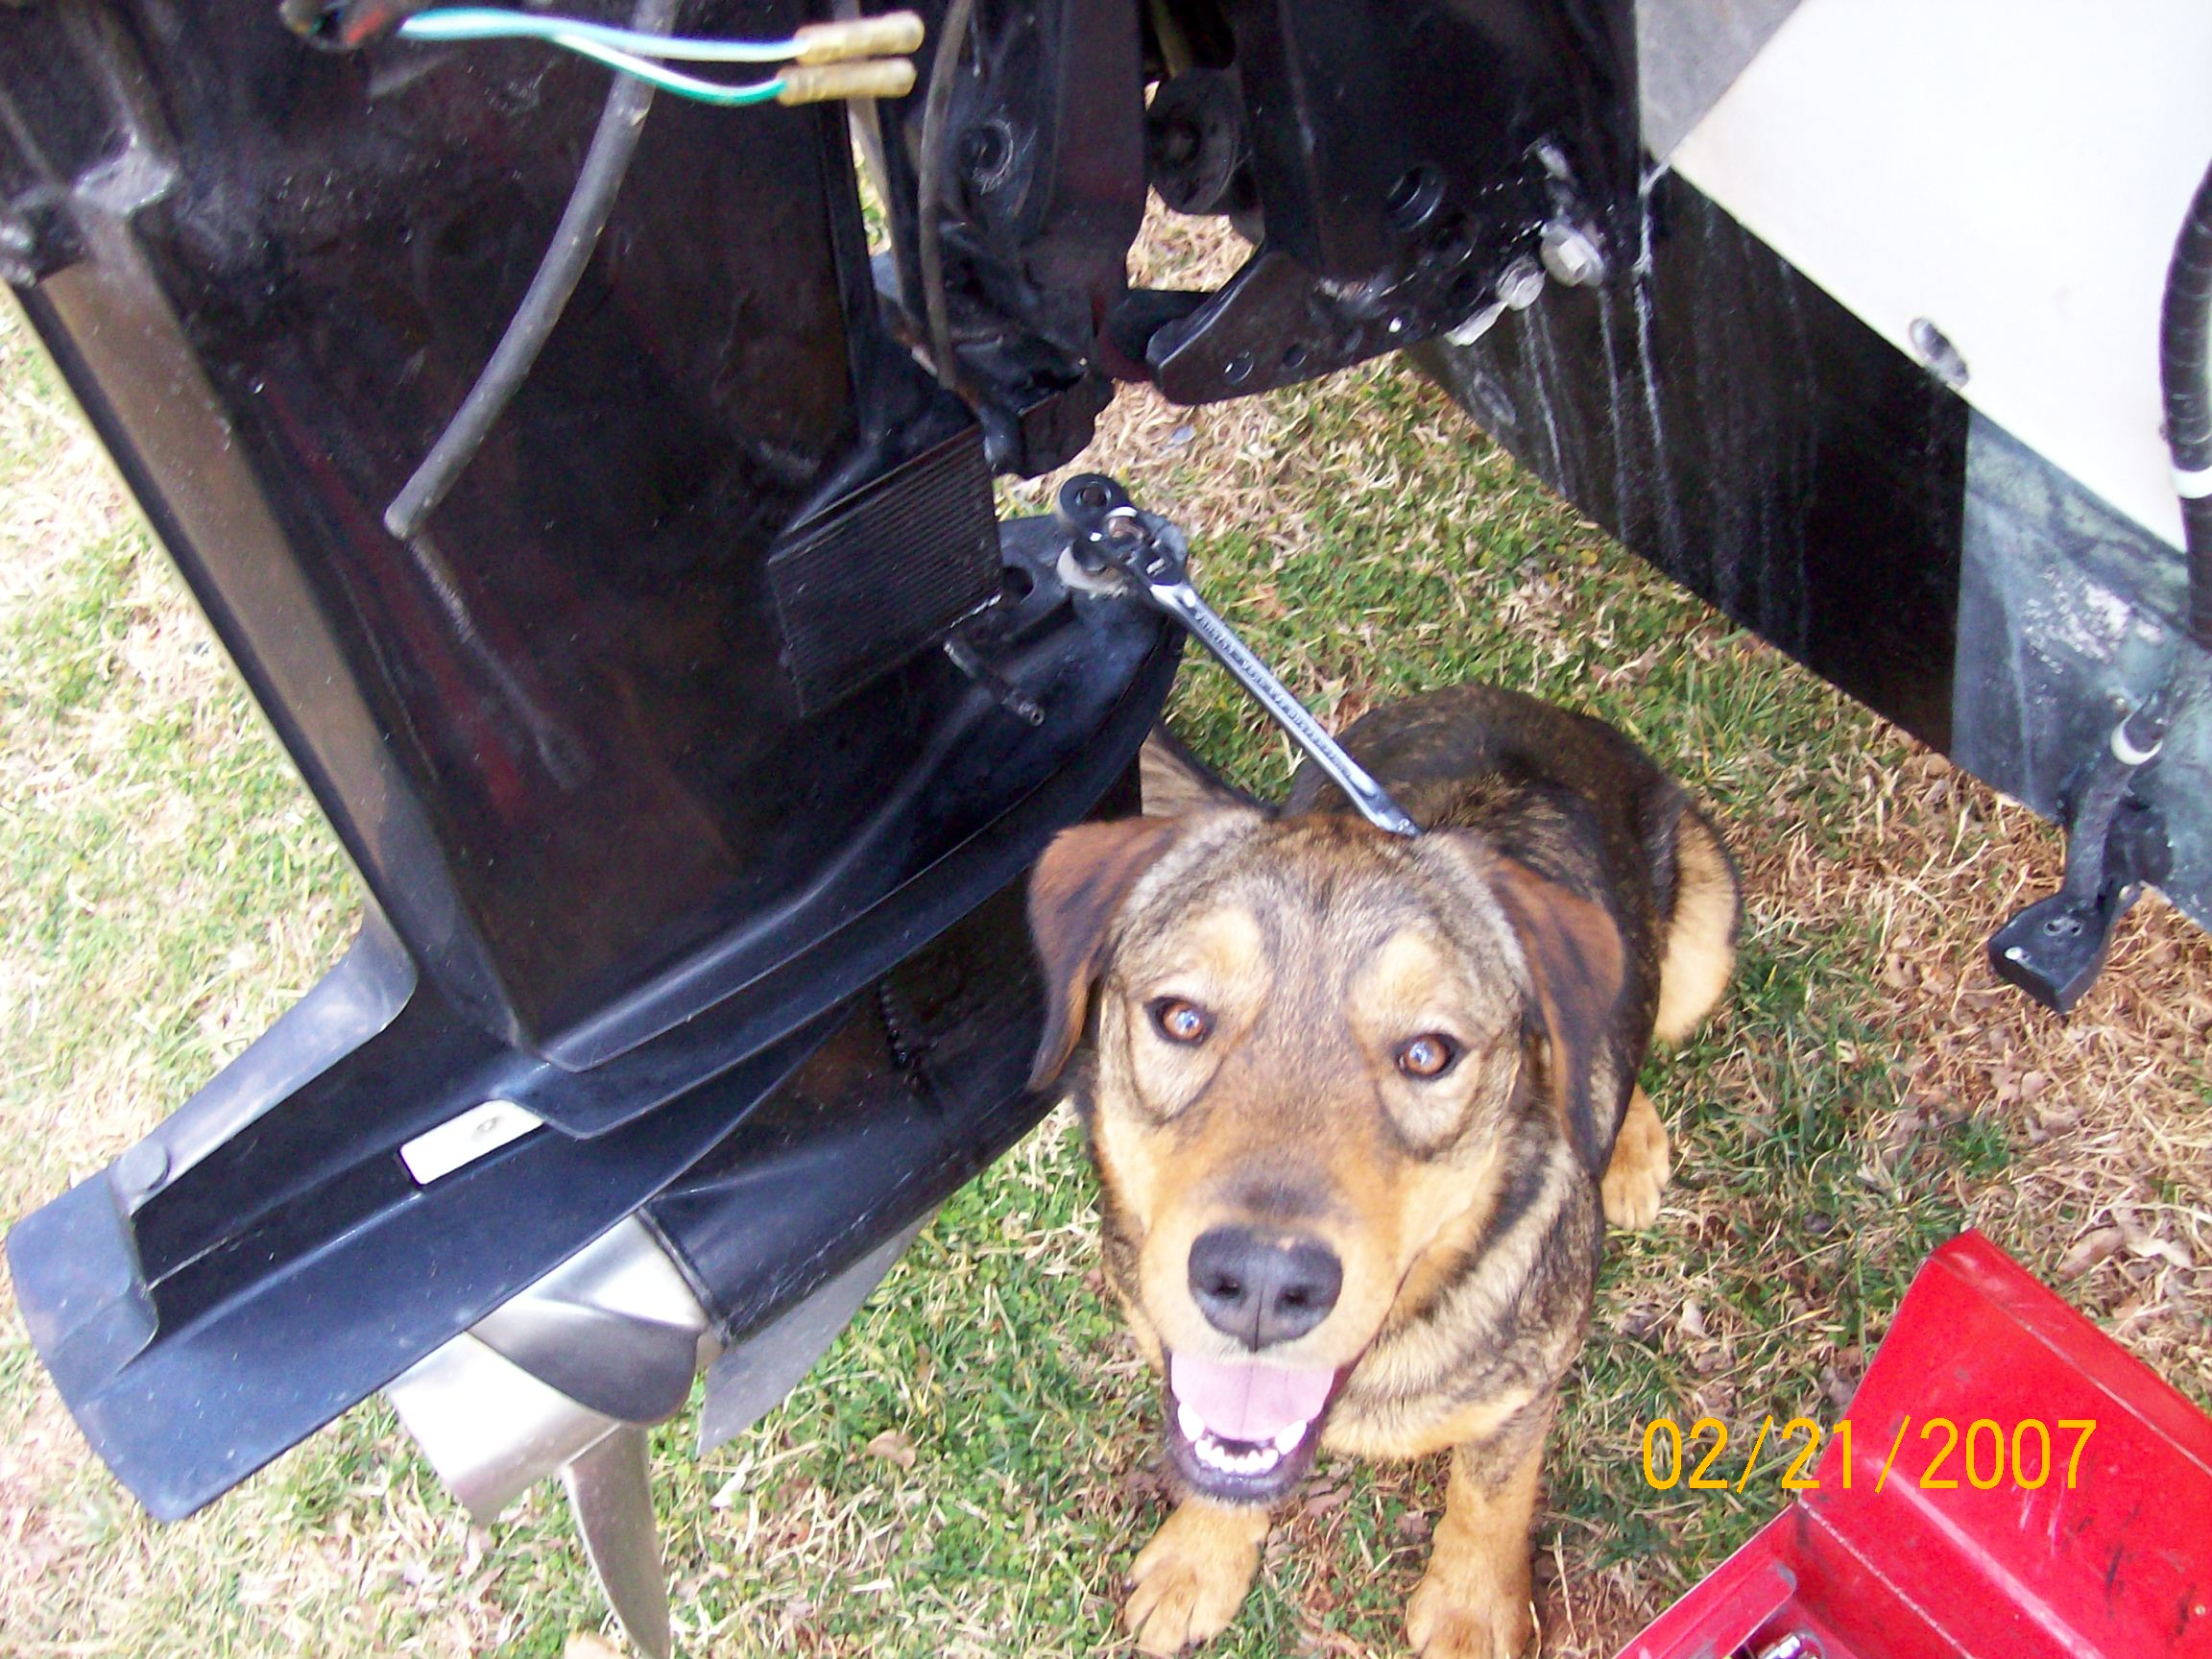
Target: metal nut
1571, 255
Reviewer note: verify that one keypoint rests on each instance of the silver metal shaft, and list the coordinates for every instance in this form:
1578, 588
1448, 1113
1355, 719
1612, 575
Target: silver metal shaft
1107, 534
1180, 601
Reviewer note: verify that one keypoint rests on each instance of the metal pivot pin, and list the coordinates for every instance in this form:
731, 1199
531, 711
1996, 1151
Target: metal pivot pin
1107, 534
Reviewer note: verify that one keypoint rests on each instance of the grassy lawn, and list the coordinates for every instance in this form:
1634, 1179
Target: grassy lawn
1869, 1091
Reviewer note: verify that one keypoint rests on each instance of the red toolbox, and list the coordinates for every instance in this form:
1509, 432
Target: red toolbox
1967, 1512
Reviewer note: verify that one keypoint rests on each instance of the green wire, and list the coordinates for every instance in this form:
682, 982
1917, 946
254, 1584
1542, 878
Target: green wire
492, 23
616, 48
668, 80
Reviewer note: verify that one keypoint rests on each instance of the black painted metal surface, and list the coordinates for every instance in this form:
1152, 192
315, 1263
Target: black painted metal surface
1401, 160
2071, 614
1039, 190
520, 723
1739, 428
264, 1260
920, 1089
1357, 108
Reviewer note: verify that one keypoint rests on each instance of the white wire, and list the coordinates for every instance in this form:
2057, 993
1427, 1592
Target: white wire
492, 23
668, 80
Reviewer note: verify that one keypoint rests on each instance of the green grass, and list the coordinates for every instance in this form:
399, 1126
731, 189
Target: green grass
170, 889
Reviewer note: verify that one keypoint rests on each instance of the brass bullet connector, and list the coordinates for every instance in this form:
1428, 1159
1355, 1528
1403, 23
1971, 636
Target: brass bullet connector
890, 35
872, 78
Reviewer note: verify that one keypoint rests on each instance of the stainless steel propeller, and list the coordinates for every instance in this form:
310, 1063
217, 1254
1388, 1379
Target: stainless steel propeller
567, 1378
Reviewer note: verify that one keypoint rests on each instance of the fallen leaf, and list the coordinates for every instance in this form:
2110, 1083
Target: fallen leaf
2088, 1251
893, 1445
1326, 1499
1638, 1320
2165, 1249
589, 1644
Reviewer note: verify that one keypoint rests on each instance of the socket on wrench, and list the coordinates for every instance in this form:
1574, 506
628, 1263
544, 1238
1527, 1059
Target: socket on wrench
1107, 535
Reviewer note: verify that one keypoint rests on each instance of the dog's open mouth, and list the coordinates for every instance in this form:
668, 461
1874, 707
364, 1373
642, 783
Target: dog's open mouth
1244, 1433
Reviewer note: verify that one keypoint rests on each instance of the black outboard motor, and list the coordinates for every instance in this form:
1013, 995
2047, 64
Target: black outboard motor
690, 746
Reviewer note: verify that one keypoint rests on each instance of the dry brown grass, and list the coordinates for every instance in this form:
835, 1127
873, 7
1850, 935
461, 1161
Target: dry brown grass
2108, 1194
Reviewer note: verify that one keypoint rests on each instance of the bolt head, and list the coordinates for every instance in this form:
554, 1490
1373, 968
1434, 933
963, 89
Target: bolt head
141, 1170
1571, 255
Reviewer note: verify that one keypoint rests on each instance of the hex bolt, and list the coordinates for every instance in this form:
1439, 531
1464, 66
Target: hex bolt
1571, 255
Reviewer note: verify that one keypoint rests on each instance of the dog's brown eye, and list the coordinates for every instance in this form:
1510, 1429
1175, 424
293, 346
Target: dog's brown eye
1430, 1055
1180, 1021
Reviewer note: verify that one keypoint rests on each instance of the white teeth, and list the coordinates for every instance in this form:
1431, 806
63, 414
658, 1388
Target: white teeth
1216, 1454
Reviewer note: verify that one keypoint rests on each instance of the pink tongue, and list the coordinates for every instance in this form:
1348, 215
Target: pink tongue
1247, 1401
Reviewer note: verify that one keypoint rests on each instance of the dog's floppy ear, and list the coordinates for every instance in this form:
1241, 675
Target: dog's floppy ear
1074, 894
1576, 968
1174, 782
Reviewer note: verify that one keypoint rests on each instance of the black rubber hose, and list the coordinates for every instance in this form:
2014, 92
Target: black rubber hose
930, 189
2186, 372
621, 121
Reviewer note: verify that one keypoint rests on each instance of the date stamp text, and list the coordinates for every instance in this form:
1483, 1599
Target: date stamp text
1982, 1453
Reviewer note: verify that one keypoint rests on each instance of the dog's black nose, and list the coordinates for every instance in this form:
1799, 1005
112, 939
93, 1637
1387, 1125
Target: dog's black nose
1263, 1290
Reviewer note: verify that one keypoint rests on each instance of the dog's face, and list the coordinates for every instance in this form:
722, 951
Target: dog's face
1314, 1044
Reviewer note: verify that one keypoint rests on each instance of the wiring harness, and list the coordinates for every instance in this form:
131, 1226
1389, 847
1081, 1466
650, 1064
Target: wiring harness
856, 57
863, 57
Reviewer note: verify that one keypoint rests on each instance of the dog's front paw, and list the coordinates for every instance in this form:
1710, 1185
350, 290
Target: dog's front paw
1455, 1618
1637, 1176
1187, 1584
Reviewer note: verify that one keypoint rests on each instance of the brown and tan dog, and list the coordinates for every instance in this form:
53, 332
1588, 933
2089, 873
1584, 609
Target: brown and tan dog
1358, 1104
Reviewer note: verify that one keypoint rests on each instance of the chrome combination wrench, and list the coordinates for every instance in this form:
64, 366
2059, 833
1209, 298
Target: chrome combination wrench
1109, 539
